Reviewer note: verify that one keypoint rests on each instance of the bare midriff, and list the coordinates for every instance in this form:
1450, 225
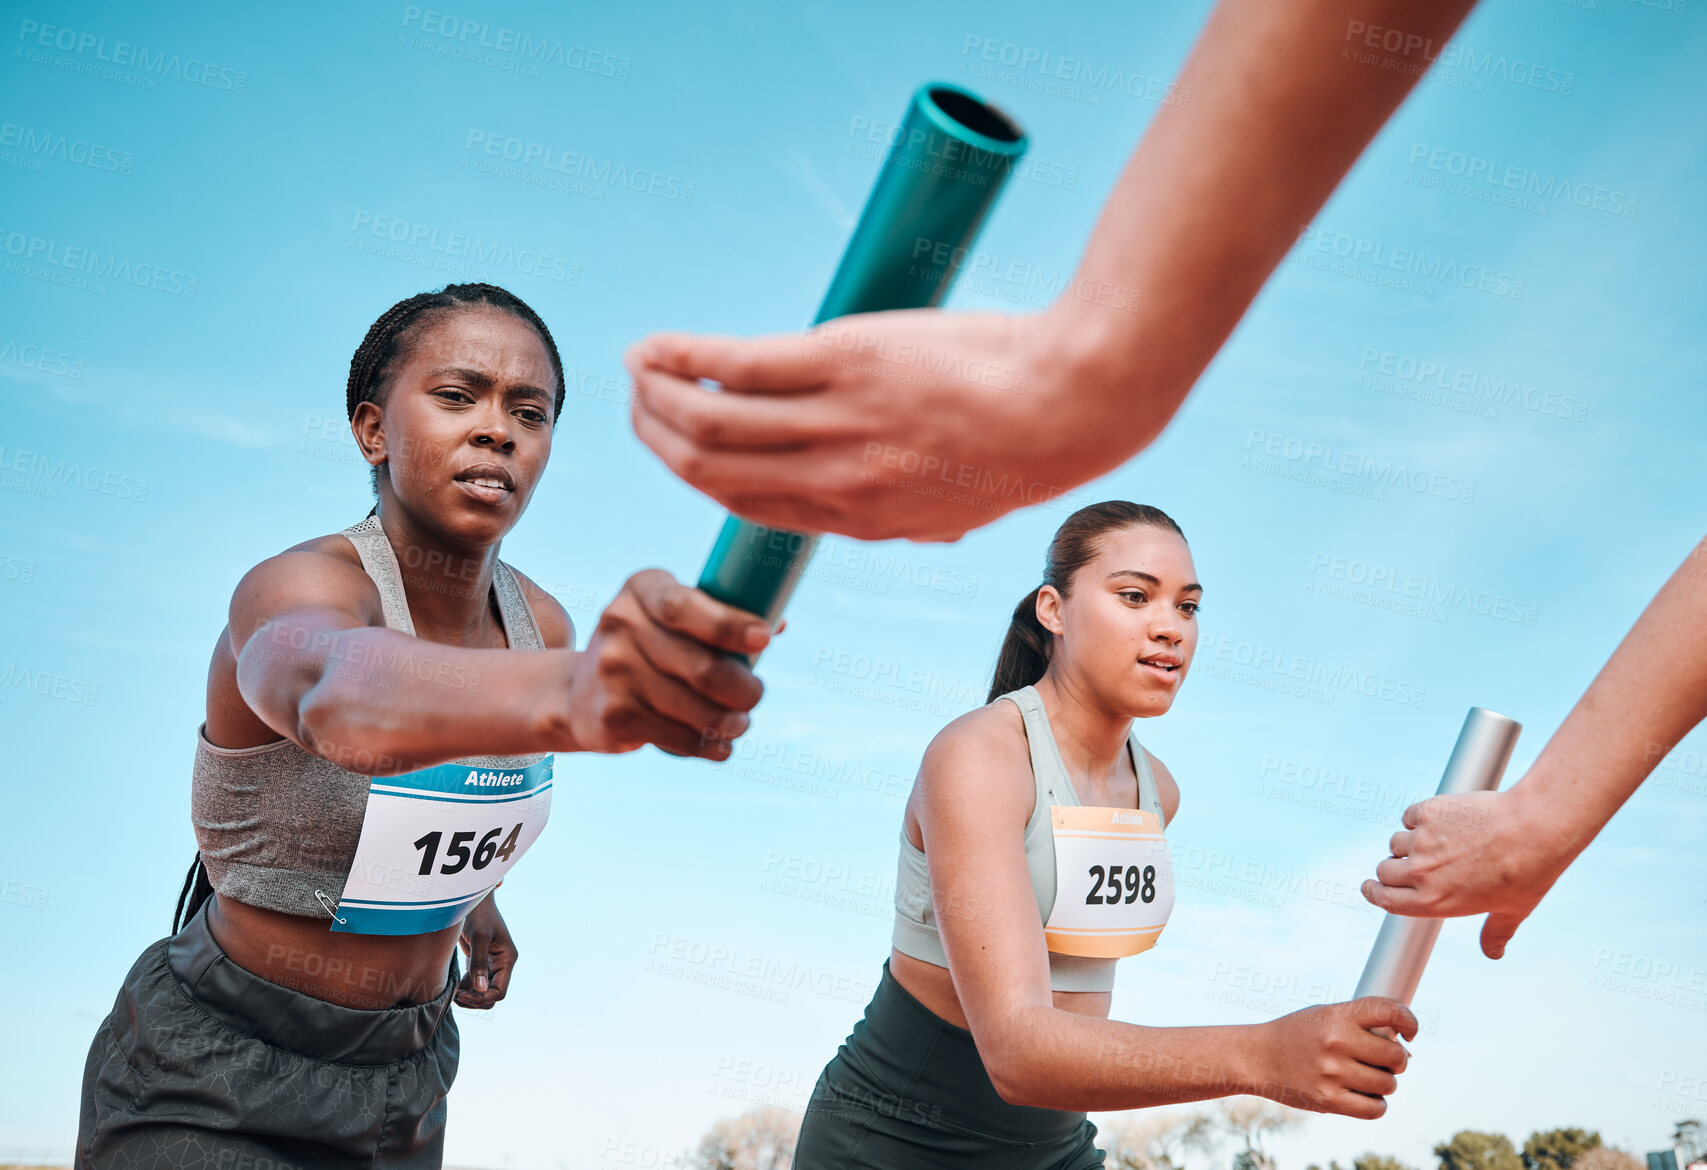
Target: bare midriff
355, 970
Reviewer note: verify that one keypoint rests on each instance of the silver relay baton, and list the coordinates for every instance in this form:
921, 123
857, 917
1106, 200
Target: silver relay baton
1402, 948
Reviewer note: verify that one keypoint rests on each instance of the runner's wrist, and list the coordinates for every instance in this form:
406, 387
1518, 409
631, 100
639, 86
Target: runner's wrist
1251, 1062
1544, 814
551, 720
1112, 369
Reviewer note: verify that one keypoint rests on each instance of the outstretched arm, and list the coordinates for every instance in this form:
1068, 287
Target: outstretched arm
975, 797
828, 431
1500, 852
315, 662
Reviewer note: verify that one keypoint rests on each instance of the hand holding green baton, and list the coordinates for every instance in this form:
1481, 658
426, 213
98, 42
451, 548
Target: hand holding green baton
945, 168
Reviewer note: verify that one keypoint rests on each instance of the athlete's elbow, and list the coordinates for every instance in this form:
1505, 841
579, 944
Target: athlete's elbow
1015, 1077
319, 720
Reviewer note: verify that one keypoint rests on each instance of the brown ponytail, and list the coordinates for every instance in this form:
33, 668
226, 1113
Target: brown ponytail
1026, 649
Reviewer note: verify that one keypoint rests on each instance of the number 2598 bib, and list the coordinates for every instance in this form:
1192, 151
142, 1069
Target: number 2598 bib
1114, 881
435, 842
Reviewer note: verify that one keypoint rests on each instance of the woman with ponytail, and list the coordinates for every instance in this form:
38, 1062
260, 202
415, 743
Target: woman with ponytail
1033, 858
382, 711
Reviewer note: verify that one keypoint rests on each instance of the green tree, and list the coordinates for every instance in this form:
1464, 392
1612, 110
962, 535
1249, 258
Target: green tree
759, 1139
1690, 1138
1156, 1139
1377, 1162
1472, 1150
1607, 1158
1248, 1120
1556, 1149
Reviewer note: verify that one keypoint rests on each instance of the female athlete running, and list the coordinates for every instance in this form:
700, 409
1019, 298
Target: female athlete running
382, 713
1033, 857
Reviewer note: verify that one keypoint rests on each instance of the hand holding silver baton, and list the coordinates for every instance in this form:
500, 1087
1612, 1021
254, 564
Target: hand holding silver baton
1402, 948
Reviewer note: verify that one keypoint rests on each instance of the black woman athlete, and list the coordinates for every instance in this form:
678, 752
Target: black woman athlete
383, 709
1033, 857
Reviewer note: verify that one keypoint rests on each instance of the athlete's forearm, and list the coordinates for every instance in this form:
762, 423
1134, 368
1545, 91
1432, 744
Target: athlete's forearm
381, 702
1648, 696
1275, 103
1054, 1059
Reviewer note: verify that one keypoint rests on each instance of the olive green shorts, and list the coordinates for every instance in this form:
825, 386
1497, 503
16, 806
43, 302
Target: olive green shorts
206, 1066
907, 1091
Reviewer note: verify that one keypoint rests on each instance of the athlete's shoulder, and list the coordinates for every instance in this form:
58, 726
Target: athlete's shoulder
983, 757
555, 628
334, 544
993, 729
330, 558
324, 572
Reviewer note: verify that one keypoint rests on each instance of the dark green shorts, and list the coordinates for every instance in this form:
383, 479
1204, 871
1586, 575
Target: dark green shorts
907, 1091
204, 1065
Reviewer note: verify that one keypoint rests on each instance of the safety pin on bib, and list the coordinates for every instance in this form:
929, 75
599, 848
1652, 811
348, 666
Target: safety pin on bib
331, 908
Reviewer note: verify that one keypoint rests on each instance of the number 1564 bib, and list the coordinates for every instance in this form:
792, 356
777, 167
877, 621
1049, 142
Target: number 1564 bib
1114, 881
435, 842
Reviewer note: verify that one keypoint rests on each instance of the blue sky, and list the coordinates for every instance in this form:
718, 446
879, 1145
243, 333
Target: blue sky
664, 981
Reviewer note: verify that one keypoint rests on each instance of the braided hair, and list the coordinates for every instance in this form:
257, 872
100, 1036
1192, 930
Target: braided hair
380, 349
1028, 645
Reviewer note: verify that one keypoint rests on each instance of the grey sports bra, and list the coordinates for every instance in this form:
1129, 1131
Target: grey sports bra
916, 931
275, 824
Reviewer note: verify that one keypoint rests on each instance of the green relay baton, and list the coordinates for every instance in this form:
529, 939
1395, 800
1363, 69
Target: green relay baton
946, 165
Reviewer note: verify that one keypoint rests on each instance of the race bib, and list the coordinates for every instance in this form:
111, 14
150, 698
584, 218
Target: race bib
1114, 881
435, 842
